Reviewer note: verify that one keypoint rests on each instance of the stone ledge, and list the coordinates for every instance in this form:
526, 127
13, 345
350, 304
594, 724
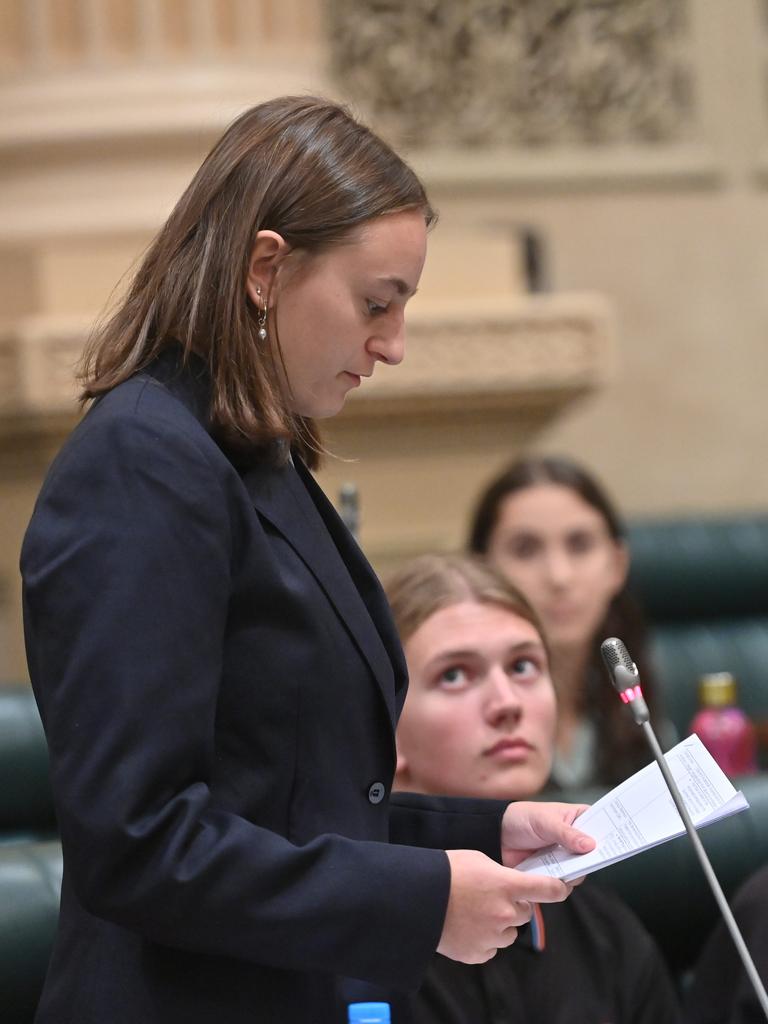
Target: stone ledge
550, 346
38, 356
144, 102
457, 352
566, 168
494, 353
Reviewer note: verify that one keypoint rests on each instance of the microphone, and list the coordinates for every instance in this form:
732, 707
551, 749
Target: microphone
625, 677
626, 680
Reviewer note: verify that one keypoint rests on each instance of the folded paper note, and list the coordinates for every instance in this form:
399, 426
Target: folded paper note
640, 813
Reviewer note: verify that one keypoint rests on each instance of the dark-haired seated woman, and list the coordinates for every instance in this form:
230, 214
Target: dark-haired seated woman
550, 527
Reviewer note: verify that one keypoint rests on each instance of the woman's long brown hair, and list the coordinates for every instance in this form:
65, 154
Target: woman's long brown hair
300, 166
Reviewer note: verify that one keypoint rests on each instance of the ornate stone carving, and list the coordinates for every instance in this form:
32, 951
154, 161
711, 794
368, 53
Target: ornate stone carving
499, 353
517, 73
38, 357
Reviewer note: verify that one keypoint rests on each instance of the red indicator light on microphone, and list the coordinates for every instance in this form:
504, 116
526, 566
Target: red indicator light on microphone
633, 693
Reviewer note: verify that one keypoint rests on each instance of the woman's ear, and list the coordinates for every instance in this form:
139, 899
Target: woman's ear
268, 251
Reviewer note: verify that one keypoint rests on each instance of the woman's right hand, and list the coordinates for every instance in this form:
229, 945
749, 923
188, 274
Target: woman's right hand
487, 903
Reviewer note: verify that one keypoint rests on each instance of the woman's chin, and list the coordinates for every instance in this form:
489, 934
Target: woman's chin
521, 785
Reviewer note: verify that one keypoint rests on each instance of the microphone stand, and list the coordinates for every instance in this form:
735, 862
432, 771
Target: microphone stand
627, 684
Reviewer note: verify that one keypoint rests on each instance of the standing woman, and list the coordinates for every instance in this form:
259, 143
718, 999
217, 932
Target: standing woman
552, 530
216, 668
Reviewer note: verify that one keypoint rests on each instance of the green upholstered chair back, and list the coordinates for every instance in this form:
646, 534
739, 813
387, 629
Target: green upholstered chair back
703, 584
26, 803
30, 883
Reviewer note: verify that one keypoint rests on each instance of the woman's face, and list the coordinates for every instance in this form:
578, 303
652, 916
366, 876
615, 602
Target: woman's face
479, 719
339, 312
557, 548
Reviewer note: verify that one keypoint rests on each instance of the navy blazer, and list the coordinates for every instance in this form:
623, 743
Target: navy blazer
219, 679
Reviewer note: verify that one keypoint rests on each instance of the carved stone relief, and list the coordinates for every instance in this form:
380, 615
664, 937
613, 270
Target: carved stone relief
548, 343
517, 73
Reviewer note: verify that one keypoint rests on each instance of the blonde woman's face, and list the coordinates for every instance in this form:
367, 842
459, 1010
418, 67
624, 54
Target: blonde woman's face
479, 718
558, 550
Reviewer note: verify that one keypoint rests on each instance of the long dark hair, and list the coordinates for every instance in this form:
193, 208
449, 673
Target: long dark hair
300, 166
621, 747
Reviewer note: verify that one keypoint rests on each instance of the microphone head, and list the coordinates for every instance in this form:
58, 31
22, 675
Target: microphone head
615, 655
624, 676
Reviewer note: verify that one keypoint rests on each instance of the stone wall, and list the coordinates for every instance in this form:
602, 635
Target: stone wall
628, 137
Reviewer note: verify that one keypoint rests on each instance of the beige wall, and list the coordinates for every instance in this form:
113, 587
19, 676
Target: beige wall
684, 423
658, 252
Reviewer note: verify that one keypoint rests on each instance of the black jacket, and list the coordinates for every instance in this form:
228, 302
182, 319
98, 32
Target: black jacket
219, 679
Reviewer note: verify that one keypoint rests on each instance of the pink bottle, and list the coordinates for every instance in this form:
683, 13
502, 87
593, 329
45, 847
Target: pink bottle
723, 728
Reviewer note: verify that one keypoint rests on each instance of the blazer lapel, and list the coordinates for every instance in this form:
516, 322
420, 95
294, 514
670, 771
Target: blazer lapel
284, 498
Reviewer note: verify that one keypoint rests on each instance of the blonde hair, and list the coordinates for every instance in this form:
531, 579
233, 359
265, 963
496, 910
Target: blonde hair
430, 583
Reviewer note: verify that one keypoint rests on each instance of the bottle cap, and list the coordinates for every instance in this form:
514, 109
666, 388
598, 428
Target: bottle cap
717, 690
368, 1013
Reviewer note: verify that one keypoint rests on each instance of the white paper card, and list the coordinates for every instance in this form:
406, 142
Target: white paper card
640, 812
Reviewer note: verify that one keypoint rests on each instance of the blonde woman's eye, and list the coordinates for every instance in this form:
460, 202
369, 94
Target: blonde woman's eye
375, 308
453, 676
525, 667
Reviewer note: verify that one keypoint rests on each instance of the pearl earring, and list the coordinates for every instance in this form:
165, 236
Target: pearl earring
262, 319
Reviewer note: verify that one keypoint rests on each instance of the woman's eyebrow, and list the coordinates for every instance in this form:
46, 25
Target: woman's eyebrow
522, 647
467, 652
400, 285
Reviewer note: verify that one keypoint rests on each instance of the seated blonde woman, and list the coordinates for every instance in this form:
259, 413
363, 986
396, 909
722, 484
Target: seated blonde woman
480, 720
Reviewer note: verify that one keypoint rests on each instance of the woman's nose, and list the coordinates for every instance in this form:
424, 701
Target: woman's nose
558, 568
388, 346
502, 699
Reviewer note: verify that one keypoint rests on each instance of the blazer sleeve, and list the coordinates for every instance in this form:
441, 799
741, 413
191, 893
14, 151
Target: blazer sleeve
447, 823
127, 573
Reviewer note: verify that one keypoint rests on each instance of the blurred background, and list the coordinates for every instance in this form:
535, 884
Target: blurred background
595, 284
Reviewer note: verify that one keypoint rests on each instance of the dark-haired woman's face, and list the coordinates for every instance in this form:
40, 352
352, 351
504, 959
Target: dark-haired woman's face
342, 311
557, 548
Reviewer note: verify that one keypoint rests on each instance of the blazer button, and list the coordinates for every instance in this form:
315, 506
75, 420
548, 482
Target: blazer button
376, 792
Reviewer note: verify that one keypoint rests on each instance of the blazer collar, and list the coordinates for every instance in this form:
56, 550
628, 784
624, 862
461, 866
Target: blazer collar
290, 499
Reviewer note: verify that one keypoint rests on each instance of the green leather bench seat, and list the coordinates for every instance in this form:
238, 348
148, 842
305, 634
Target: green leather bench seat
30, 883
683, 652
703, 584
26, 802
700, 568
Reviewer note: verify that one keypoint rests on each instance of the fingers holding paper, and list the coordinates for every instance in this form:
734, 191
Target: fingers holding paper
529, 826
488, 903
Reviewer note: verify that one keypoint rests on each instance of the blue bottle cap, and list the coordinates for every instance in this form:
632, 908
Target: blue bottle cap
368, 1013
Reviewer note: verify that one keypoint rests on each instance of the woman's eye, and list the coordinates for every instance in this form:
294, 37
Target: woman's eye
375, 308
525, 667
581, 543
453, 677
523, 546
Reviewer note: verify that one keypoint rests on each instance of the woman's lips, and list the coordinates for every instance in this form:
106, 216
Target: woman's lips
510, 750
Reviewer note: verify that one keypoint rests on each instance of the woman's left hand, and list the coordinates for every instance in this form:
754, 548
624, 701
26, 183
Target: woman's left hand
528, 826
